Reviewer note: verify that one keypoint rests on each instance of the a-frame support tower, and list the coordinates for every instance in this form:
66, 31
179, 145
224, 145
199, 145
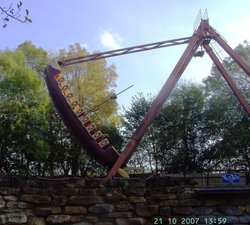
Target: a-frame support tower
201, 37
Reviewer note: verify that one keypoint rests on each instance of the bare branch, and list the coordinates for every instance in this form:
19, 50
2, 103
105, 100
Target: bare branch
12, 13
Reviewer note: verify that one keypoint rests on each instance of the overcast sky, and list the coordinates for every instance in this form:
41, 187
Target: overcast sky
110, 24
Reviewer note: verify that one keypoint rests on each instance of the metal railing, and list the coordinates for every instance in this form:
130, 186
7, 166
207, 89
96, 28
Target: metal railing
8, 180
210, 179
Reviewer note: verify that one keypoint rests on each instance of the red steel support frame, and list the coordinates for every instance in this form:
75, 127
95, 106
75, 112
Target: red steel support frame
204, 31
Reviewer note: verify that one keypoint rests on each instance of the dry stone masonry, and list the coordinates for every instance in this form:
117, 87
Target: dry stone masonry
117, 202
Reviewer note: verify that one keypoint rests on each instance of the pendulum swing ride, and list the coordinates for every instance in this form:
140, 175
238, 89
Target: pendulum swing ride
87, 133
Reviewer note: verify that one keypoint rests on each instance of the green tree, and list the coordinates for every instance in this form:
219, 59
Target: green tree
182, 131
35, 58
131, 120
22, 108
174, 141
227, 123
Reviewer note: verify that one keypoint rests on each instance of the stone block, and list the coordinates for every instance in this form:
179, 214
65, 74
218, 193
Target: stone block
186, 195
231, 219
74, 210
247, 208
241, 224
77, 218
137, 221
122, 221
10, 198
45, 211
115, 197
11, 210
101, 208
168, 196
244, 219
230, 210
76, 183
203, 211
182, 210
93, 184
214, 202
83, 223
38, 199
58, 219
146, 211
11, 204
135, 183
138, 191
85, 200
69, 192
32, 191
2, 203
9, 191
59, 201
242, 208
13, 218
171, 203
120, 215
175, 189
36, 221
91, 219
124, 206
104, 223
86, 191
102, 191
23, 205
237, 201
189, 202
29, 212
136, 199
165, 211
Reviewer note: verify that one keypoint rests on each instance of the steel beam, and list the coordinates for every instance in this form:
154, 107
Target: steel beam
123, 51
157, 104
232, 53
228, 79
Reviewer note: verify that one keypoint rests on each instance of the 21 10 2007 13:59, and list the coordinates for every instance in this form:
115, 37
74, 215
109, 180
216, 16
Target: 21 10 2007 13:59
190, 220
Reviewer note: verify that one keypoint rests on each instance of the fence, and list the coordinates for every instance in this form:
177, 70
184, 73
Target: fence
8, 180
211, 179
199, 179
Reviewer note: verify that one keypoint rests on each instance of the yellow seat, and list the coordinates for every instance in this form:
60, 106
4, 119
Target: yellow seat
97, 135
91, 127
104, 143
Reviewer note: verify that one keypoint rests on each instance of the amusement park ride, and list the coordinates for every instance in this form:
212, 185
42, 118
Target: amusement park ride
86, 132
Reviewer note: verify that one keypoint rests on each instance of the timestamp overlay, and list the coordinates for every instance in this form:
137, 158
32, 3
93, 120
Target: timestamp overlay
189, 220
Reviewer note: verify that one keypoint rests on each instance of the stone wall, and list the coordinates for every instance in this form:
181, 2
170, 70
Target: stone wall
119, 202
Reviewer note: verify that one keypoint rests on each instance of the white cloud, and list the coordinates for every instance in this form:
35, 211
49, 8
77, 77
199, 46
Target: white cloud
110, 41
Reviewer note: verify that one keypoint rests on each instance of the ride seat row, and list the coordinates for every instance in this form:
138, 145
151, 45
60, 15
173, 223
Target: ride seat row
80, 112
